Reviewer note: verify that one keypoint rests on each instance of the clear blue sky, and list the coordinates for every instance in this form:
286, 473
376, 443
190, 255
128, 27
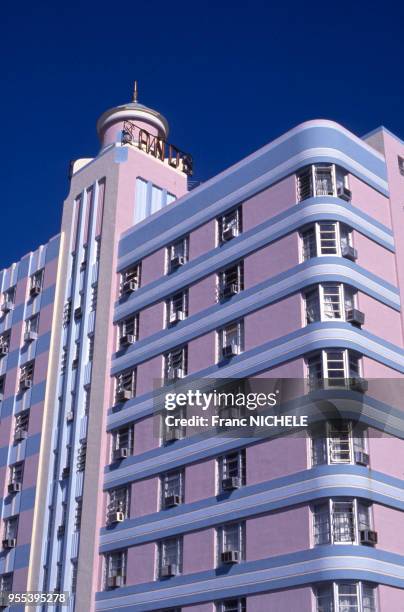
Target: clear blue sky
229, 77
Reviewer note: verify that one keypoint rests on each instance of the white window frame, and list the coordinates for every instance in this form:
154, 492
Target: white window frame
359, 587
114, 568
168, 489
233, 218
222, 535
331, 505
238, 456
118, 501
334, 174
179, 248
178, 302
344, 293
163, 553
339, 445
241, 605
347, 355
341, 230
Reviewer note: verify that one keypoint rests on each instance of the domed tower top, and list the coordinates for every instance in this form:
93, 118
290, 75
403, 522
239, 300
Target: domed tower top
111, 123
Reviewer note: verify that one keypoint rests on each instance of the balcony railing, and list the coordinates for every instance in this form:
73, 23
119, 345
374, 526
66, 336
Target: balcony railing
157, 147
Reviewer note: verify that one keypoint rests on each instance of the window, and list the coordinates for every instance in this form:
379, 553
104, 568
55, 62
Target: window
8, 300
84, 258
128, 330
16, 473
27, 376
36, 283
74, 577
342, 522
122, 443
177, 254
2, 387
81, 456
172, 489
229, 225
231, 543
335, 368
346, 597
67, 313
6, 582
231, 340
93, 299
232, 470
232, 605
31, 328
130, 279
400, 161
323, 180
125, 385
21, 425
11, 528
170, 557
115, 569
175, 364
77, 514
177, 308
330, 301
118, 502
339, 442
231, 281
91, 347
76, 356
173, 433
4, 344
327, 238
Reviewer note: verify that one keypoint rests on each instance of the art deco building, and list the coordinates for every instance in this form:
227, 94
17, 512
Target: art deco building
289, 264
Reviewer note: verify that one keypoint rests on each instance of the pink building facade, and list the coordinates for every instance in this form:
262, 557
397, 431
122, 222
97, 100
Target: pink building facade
287, 265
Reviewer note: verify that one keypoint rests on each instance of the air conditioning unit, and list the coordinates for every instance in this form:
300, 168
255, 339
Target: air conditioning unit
30, 336
7, 306
172, 434
172, 500
9, 543
230, 556
231, 483
3, 350
355, 316
169, 570
35, 290
230, 350
177, 261
115, 517
122, 395
126, 340
14, 487
230, 290
120, 453
25, 384
175, 373
349, 252
361, 458
129, 286
229, 232
344, 194
61, 530
358, 384
113, 582
176, 316
368, 537
20, 434
70, 416
65, 472
78, 312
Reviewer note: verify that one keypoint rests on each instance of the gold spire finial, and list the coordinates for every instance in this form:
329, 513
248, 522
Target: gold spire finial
135, 92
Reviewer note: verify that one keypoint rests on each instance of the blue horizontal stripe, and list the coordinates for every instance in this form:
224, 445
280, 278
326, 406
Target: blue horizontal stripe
255, 173
248, 242
299, 488
333, 269
280, 572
